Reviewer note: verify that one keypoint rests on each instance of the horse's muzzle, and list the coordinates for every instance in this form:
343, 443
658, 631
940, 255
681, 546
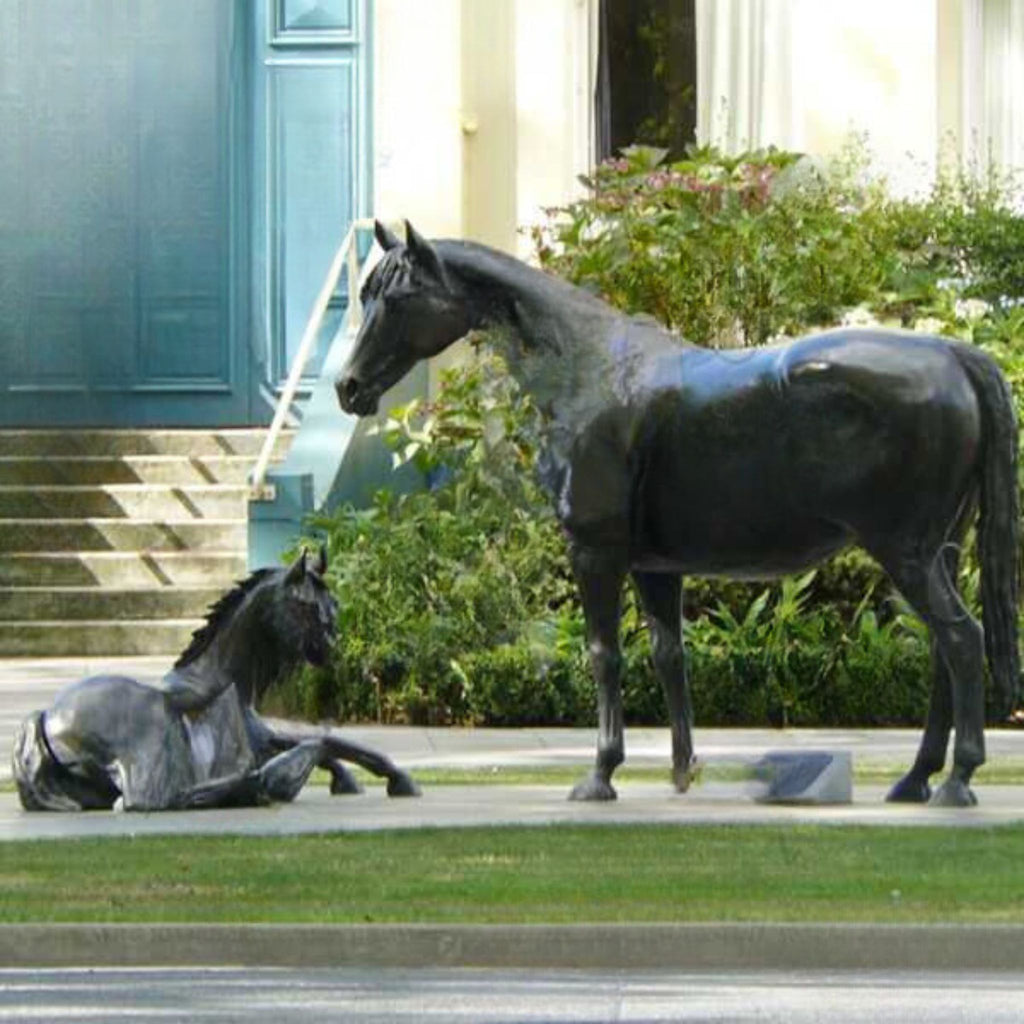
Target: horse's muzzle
354, 398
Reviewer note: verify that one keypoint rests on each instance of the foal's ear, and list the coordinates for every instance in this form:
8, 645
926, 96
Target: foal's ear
424, 255
297, 572
385, 239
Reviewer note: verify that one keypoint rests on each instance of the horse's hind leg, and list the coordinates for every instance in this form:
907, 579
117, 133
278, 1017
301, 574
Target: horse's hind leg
928, 582
931, 755
600, 584
661, 596
335, 749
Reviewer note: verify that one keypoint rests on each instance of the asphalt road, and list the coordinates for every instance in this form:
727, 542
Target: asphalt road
503, 997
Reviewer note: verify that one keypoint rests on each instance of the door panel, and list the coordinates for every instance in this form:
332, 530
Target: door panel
123, 264
311, 162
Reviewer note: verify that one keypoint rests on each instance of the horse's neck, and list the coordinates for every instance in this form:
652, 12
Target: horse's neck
553, 335
239, 655
574, 354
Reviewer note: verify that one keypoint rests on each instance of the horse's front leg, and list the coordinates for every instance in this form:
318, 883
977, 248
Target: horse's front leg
278, 780
599, 578
661, 597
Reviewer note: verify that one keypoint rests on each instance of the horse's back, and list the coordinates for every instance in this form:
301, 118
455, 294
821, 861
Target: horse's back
762, 463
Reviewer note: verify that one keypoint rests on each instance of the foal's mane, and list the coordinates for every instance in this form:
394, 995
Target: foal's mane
219, 613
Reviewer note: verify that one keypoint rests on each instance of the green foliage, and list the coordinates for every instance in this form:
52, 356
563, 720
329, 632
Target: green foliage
737, 250
457, 603
442, 590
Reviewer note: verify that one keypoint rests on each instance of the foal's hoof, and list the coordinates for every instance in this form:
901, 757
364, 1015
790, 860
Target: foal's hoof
344, 783
593, 787
954, 793
910, 790
403, 785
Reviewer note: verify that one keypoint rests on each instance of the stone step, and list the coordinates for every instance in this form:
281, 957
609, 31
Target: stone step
102, 603
123, 501
49, 535
241, 441
121, 568
59, 638
181, 470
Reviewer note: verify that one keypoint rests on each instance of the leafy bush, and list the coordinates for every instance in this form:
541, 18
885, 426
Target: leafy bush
457, 603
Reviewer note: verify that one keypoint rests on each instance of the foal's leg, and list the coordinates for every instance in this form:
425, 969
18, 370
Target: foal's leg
600, 583
265, 742
278, 780
335, 748
958, 695
661, 596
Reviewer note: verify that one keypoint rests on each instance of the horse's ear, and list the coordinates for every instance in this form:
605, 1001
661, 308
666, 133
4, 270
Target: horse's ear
385, 239
297, 572
425, 255
321, 562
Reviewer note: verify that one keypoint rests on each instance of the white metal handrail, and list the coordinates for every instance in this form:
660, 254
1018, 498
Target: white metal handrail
347, 256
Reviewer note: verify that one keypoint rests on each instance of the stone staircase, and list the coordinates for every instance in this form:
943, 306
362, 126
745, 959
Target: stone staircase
114, 542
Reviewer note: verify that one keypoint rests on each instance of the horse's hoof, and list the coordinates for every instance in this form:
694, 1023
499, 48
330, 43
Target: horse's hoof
954, 792
403, 785
910, 790
683, 778
344, 784
593, 788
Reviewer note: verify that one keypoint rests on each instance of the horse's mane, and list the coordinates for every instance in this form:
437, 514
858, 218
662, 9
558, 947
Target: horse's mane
392, 268
218, 614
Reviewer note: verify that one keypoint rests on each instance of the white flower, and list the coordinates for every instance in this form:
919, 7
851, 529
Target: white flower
971, 309
928, 325
858, 316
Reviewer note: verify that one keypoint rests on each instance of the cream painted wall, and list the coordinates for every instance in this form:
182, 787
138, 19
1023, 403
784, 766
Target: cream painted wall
482, 115
482, 112
870, 68
417, 100
555, 65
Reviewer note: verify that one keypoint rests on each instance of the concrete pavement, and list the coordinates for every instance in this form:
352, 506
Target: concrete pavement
25, 685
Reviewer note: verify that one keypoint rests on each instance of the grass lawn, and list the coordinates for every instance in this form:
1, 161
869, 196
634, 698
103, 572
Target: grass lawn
547, 874
1004, 771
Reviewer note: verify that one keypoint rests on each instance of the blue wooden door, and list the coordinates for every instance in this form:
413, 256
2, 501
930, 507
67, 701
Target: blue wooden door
124, 248
311, 176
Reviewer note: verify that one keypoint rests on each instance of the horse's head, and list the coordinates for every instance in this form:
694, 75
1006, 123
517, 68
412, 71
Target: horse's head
410, 313
305, 614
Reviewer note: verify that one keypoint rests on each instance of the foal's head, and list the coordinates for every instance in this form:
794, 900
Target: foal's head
303, 614
410, 313
267, 625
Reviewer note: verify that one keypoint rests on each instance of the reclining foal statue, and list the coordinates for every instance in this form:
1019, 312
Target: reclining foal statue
195, 739
663, 458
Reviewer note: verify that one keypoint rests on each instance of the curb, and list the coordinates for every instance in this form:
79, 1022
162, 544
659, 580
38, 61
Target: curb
682, 947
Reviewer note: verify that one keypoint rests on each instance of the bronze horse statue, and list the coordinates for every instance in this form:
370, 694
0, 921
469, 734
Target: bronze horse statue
195, 740
664, 458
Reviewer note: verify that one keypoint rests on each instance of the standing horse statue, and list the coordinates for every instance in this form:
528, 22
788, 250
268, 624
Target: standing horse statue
195, 740
664, 458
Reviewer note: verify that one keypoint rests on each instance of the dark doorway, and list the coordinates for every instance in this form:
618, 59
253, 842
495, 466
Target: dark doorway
647, 77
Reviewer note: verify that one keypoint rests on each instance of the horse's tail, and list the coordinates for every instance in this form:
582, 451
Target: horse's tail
998, 522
